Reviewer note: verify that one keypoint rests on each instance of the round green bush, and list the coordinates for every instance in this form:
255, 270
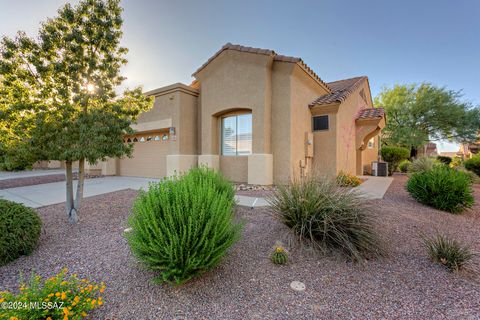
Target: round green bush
184, 226
443, 188
393, 155
20, 229
473, 164
404, 165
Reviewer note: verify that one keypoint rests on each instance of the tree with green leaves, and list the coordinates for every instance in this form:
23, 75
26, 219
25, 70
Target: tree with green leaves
417, 114
57, 92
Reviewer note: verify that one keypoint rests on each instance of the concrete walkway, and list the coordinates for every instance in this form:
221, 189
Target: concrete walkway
4, 175
374, 187
52, 193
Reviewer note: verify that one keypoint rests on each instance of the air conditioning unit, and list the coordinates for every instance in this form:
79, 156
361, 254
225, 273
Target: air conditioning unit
379, 169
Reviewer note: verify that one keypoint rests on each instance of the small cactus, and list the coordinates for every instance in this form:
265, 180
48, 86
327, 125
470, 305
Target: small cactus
279, 255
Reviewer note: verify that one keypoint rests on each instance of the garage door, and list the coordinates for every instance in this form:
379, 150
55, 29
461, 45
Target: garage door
149, 159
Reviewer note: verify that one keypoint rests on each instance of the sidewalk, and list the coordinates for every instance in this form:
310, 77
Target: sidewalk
374, 187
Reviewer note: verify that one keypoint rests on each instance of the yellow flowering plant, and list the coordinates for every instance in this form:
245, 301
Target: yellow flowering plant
59, 297
345, 179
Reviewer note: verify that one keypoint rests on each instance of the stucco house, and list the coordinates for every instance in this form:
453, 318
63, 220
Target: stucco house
259, 118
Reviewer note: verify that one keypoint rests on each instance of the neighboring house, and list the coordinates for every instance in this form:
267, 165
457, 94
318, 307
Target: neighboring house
468, 150
259, 118
429, 149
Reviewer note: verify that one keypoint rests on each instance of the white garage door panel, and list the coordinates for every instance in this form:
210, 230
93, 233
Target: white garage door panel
149, 160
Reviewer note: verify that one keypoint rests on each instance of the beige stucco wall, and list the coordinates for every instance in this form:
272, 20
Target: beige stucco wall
174, 106
347, 129
235, 168
236, 80
370, 155
325, 142
281, 121
303, 91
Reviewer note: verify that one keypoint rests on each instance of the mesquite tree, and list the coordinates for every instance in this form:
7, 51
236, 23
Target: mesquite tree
58, 99
419, 113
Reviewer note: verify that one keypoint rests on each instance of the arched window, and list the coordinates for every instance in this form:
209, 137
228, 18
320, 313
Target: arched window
237, 135
142, 139
135, 139
157, 138
129, 140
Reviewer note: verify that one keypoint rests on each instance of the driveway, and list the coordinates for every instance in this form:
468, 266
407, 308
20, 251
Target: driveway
51, 193
40, 195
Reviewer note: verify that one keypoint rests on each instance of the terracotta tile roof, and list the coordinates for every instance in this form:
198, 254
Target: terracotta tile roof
269, 52
341, 89
371, 113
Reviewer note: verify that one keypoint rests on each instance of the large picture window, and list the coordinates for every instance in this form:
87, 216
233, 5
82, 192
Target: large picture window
237, 135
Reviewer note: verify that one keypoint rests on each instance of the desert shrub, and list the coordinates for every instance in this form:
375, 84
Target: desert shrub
327, 216
473, 164
345, 179
471, 175
442, 188
59, 297
393, 155
404, 165
456, 162
444, 160
279, 255
184, 226
422, 164
448, 252
20, 229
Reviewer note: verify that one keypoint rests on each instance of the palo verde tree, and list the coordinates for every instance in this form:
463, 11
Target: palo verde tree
419, 113
58, 98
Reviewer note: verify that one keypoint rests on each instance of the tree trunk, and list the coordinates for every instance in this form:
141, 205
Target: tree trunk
70, 207
413, 152
81, 180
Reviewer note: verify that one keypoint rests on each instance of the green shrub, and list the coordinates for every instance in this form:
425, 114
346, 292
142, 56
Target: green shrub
393, 155
473, 164
404, 166
184, 226
456, 162
347, 180
422, 164
444, 160
279, 255
442, 188
471, 175
57, 298
328, 216
20, 229
448, 252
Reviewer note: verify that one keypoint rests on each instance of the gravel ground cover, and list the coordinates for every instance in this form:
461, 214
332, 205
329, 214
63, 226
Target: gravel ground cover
405, 285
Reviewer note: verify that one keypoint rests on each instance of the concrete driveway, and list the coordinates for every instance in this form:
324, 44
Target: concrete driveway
51, 193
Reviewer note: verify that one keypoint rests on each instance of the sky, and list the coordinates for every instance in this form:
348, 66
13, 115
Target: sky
410, 41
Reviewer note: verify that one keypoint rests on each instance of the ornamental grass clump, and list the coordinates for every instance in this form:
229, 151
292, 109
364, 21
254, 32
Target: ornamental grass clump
59, 297
443, 188
20, 228
423, 164
327, 216
184, 226
447, 252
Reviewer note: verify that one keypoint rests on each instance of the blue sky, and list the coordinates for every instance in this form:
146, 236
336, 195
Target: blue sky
389, 41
